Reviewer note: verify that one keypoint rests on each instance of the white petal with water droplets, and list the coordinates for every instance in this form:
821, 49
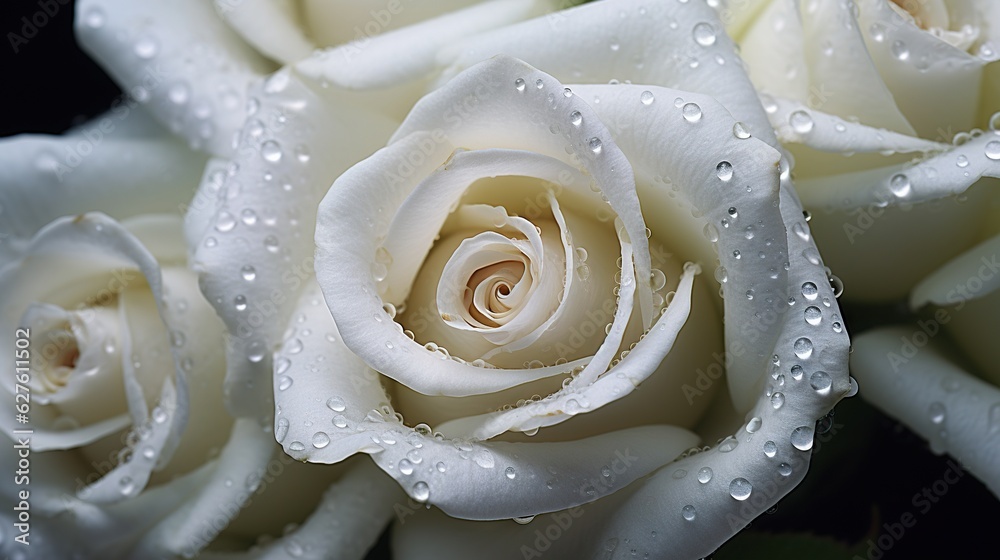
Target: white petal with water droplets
958, 413
257, 252
180, 59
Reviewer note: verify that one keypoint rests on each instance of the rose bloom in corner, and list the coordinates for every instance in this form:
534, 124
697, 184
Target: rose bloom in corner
510, 299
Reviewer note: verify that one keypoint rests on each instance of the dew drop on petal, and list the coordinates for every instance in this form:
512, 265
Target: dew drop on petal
704, 34
802, 438
813, 315
688, 512
281, 430
421, 492
993, 150
724, 170
899, 184
691, 112
740, 488
519, 84
803, 348
821, 382
704, 475
801, 122
320, 440
646, 97
595, 145
777, 400
770, 448
936, 412
576, 118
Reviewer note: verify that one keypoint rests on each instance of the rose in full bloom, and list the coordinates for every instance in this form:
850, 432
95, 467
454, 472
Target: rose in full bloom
883, 104
501, 307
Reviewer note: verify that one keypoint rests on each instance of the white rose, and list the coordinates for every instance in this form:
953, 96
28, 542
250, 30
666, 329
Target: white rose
905, 88
190, 62
327, 378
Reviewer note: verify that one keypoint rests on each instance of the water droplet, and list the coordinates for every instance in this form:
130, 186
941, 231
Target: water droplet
704, 34
724, 170
484, 458
809, 291
519, 84
94, 18
646, 97
711, 233
801, 122
421, 492
740, 488
340, 421
146, 48
293, 346
936, 412
159, 415
405, 467
271, 151
595, 145
302, 153
740, 131
284, 382
225, 222
240, 303
510, 473
249, 273
281, 430
813, 315
539, 84
728, 444
900, 50
899, 184
126, 485
320, 440
688, 512
854, 388
777, 400
576, 118
178, 94
962, 161
441, 467
993, 150
704, 475
784, 469
296, 446
770, 448
691, 112
753, 425
821, 382
803, 348
802, 438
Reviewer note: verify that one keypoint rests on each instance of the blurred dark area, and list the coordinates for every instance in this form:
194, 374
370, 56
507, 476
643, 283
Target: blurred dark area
50, 85
867, 471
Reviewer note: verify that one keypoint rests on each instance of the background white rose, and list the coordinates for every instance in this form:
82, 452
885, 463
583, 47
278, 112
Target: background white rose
892, 85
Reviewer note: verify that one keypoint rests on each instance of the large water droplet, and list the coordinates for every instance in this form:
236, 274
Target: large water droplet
146, 48
821, 382
405, 467
281, 430
688, 512
704, 475
813, 315
646, 97
770, 448
899, 184
421, 492
740, 488
271, 151
724, 170
704, 34
336, 404
576, 118
320, 440
519, 84
595, 145
691, 112
802, 438
803, 348
993, 150
777, 400
801, 122
809, 291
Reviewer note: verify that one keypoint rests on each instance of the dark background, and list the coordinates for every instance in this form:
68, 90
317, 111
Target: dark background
865, 471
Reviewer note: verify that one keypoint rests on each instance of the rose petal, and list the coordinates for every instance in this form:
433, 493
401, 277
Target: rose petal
408, 53
258, 251
325, 418
272, 27
359, 194
937, 176
775, 35
796, 123
979, 262
199, 520
348, 520
958, 413
46, 177
578, 46
180, 59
